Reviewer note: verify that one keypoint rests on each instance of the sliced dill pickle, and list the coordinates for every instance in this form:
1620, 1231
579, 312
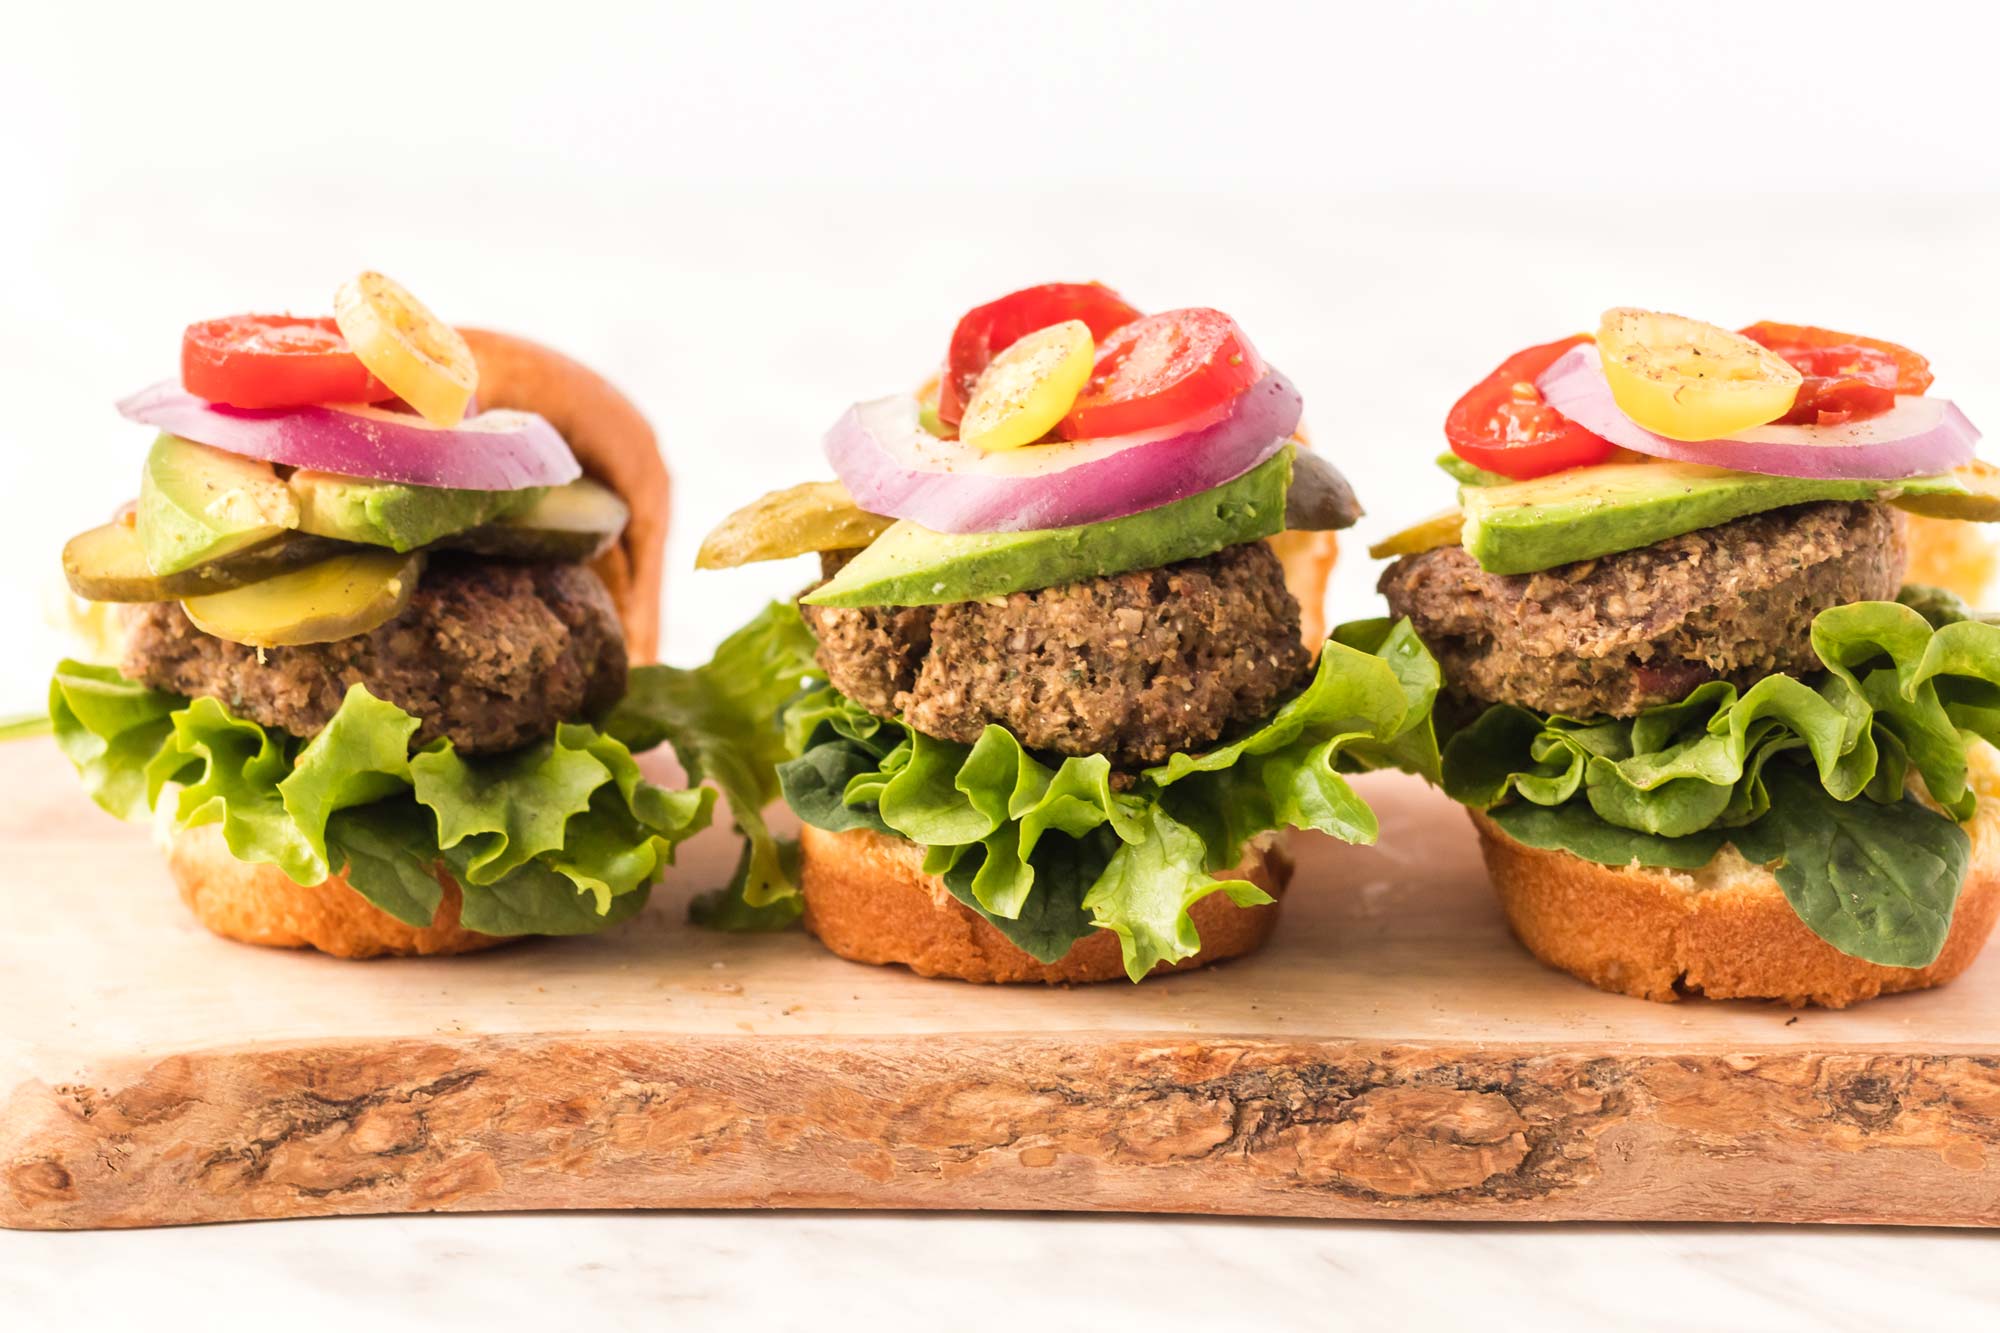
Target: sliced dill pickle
335, 599
108, 564
576, 522
815, 516
1446, 529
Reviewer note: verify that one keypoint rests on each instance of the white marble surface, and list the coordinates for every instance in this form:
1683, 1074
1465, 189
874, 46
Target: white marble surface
750, 216
964, 1273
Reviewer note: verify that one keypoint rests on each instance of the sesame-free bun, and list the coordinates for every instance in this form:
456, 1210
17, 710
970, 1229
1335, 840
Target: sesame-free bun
259, 904
867, 899
613, 443
1724, 931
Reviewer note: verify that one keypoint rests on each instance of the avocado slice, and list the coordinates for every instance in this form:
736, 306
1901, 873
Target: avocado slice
197, 504
913, 566
1589, 512
392, 514
572, 523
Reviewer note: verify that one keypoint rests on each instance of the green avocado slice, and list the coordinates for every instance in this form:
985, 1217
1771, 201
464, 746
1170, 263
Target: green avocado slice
198, 504
1525, 526
392, 514
913, 566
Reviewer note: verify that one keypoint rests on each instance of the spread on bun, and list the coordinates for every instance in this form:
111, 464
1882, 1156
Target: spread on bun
1049, 708
1713, 741
383, 585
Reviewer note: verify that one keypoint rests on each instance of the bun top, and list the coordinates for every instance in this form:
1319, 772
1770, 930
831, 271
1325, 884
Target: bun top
615, 446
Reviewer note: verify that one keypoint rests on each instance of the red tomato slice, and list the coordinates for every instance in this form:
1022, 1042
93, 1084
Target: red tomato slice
986, 331
1829, 400
1503, 425
1162, 369
1845, 356
274, 361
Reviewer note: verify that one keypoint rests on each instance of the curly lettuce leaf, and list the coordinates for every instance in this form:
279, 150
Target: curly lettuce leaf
722, 719
557, 838
1899, 697
1048, 853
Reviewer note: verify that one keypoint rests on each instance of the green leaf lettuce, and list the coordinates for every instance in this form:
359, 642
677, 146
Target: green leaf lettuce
557, 838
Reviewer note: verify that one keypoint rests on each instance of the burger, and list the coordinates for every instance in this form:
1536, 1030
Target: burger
382, 581
1062, 682
1712, 740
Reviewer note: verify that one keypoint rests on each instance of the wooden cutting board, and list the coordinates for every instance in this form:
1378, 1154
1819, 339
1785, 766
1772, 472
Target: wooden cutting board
1393, 1054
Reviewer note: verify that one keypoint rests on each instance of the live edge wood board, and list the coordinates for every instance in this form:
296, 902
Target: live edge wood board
1392, 1055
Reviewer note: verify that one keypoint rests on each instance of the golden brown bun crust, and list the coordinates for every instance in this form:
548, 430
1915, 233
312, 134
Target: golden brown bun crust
259, 904
867, 899
1308, 560
1956, 556
1725, 932
615, 445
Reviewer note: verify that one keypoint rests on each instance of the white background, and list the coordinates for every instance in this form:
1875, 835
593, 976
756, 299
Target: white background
751, 215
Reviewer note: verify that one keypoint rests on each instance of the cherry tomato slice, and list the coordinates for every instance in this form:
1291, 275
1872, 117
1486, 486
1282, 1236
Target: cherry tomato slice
1503, 425
988, 330
1829, 400
274, 361
1831, 355
1162, 369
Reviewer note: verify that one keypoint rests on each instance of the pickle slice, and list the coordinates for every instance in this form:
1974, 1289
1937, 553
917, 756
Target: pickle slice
1446, 529
815, 516
334, 599
108, 564
576, 522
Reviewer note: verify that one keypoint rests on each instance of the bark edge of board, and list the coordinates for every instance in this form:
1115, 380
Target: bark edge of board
1254, 1126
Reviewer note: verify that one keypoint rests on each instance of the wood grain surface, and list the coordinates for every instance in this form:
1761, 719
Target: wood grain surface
1392, 1054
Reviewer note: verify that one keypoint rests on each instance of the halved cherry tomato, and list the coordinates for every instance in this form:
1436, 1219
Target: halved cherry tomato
274, 361
1847, 376
1503, 425
1162, 369
1834, 355
988, 330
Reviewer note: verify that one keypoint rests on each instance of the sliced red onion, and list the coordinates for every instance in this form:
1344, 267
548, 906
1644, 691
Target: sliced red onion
494, 451
1916, 438
892, 465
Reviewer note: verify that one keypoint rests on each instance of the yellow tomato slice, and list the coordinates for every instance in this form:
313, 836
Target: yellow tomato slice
1688, 380
408, 348
1027, 389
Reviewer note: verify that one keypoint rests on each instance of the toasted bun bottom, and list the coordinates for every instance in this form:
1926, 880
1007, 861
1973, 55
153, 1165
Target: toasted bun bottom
259, 904
1725, 931
868, 899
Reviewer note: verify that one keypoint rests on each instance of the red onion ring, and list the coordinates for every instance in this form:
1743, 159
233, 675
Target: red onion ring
893, 466
494, 451
1918, 437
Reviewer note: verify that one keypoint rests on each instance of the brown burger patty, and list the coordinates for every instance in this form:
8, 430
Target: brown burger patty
488, 655
1623, 633
1133, 666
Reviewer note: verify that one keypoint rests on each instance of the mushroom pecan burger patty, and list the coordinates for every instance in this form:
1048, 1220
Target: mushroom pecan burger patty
1132, 666
488, 655
1625, 632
